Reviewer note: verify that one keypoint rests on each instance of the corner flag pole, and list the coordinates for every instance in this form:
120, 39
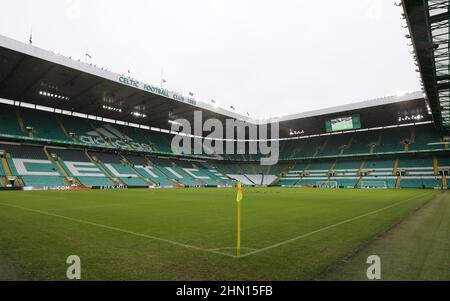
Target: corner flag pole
238, 219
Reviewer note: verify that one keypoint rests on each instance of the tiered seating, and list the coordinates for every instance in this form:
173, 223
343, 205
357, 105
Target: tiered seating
379, 164
3, 175
227, 168
216, 174
293, 176
316, 173
314, 161
426, 137
272, 172
444, 162
92, 132
174, 172
197, 172
362, 141
233, 171
2, 170
118, 169
342, 165
289, 180
135, 134
144, 168
419, 173
69, 154
311, 147
43, 180
346, 173
276, 169
269, 179
32, 165
79, 126
9, 122
335, 144
255, 179
77, 165
253, 173
161, 142
289, 148
44, 125
249, 168
243, 179
392, 139
380, 173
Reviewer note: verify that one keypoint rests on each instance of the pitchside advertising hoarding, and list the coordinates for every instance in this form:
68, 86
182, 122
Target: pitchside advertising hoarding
343, 123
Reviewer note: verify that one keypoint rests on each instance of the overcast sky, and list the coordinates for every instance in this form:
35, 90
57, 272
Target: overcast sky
266, 57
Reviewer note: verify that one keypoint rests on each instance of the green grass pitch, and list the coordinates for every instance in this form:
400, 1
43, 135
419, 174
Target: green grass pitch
189, 234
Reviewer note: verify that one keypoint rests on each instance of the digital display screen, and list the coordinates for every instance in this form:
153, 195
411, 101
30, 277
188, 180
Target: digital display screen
343, 123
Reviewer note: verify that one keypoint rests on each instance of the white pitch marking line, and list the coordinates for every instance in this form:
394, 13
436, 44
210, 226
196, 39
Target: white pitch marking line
328, 227
119, 230
214, 251
232, 248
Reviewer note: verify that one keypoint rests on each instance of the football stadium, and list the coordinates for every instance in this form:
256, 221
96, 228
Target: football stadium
88, 169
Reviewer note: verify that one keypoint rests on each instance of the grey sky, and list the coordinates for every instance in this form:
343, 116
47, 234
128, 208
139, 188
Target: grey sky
266, 57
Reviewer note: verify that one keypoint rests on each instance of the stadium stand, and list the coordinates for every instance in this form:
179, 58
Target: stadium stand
391, 142
392, 139
135, 135
444, 162
346, 173
117, 167
418, 172
160, 141
31, 165
9, 122
176, 173
379, 174
78, 165
337, 145
42, 125
363, 142
79, 128
426, 137
149, 172
101, 169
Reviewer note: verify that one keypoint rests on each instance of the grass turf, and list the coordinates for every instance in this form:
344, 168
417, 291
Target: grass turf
417, 249
189, 234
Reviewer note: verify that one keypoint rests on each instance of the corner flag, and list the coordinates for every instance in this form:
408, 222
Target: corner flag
239, 192
239, 197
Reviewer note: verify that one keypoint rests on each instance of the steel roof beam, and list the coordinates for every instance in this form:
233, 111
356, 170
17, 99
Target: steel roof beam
439, 17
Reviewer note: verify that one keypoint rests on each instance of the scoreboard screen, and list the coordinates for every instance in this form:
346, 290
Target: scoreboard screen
343, 123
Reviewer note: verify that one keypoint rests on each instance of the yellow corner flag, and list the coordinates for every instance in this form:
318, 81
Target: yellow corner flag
238, 203
239, 192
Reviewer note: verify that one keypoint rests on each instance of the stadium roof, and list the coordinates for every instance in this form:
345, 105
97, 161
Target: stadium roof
355, 106
31, 74
428, 22
26, 70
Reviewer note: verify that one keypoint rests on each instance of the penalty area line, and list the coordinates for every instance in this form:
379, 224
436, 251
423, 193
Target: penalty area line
168, 241
328, 227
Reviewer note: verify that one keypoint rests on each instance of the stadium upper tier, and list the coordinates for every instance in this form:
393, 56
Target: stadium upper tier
24, 124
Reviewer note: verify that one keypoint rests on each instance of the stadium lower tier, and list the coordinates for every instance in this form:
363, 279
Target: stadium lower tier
33, 165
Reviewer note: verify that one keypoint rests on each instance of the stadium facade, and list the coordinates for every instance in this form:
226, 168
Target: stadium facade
66, 124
